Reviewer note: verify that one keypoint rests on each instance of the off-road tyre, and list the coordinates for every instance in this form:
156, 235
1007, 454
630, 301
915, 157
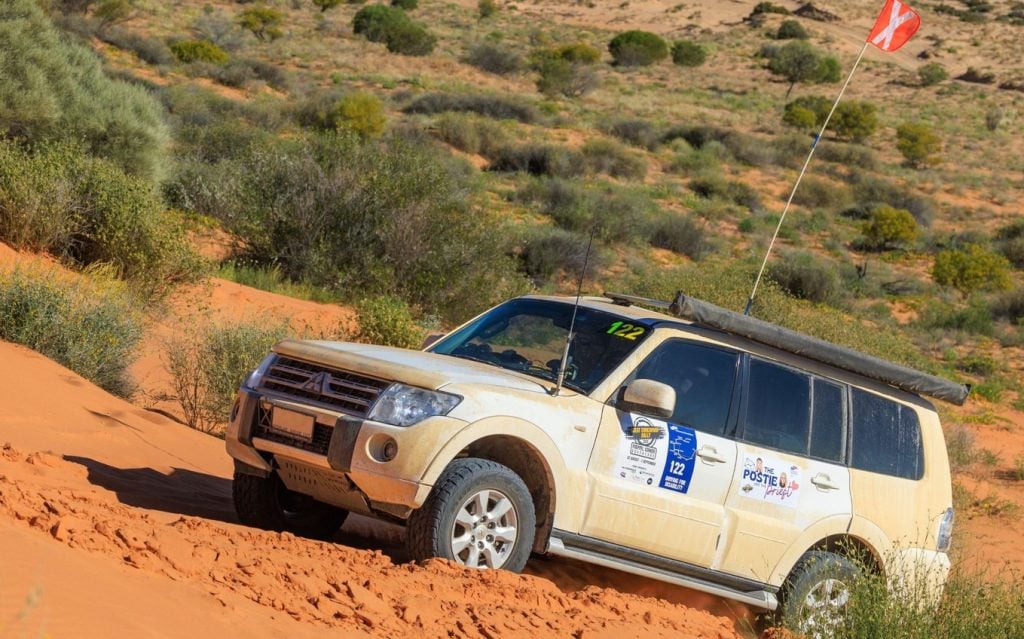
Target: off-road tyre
820, 576
264, 502
431, 529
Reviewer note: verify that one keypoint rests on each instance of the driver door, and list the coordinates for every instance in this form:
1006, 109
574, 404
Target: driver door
660, 486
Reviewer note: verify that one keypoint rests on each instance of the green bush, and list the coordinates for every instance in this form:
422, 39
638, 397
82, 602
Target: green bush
918, 143
791, 30
486, 8
580, 52
548, 252
807, 112
798, 61
324, 5
198, 51
151, 50
611, 158
358, 112
241, 72
870, 190
88, 323
821, 194
688, 54
486, 105
641, 133
679, 234
396, 216
538, 159
931, 74
1009, 306
390, 25
972, 268
56, 90
386, 320
405, 5
494, 58
805, 276
263, 22
716, 186
637, 49
1010, 241
613, 214
56, 199
855, 120
208, 365
411, 39
769, 7
470, 133
889, 227
848, 155
570, 79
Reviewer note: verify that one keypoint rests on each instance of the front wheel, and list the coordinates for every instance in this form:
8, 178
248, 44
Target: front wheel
265, 502
816, 594
479, 514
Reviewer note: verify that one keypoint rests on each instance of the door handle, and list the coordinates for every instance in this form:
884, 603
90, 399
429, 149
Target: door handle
823, 481
709, 454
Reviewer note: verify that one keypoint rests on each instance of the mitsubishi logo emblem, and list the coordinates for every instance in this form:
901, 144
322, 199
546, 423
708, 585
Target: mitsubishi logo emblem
317, 383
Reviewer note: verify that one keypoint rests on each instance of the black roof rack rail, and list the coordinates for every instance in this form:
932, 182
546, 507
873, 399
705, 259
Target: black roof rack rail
902, 377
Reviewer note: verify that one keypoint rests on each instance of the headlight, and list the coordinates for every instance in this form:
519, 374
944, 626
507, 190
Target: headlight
256, 376
401, 405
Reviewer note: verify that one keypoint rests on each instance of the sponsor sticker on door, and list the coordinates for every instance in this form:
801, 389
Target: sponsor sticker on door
657, 454
770, 480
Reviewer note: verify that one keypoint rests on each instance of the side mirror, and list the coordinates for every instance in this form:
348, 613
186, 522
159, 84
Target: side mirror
648, 397
429, 340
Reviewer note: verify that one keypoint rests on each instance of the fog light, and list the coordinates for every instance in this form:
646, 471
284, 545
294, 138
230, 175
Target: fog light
234, 410
390, 450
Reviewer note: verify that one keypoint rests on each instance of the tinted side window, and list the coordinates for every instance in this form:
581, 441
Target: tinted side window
827, 434
703, 378
886, 437
778, 412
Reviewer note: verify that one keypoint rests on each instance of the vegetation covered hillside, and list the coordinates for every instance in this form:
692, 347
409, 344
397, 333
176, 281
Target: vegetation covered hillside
425, 159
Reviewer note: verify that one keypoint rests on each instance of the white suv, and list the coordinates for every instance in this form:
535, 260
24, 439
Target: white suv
696, 446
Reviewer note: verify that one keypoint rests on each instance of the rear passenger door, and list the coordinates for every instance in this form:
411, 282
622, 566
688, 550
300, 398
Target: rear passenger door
790, 470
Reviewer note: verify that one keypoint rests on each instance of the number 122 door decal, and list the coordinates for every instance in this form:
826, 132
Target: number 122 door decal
656, 453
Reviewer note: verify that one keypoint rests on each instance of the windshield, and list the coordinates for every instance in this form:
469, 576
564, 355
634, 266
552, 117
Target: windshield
528, 335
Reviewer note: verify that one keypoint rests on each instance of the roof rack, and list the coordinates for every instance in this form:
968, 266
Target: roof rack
902, 377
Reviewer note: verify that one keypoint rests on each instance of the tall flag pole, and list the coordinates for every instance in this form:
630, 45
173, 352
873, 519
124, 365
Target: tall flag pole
895, 25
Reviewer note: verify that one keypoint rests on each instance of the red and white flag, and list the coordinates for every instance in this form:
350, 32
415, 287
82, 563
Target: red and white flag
895, 25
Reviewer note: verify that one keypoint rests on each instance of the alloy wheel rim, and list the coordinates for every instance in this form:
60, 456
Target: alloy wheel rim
823, 608
485, 530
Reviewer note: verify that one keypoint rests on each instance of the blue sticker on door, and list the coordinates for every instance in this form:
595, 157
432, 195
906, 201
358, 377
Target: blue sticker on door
682, 444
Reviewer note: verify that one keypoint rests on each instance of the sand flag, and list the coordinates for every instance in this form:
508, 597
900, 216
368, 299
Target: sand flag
895, 25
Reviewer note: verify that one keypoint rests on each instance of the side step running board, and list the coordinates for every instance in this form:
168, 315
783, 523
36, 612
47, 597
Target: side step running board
757, 598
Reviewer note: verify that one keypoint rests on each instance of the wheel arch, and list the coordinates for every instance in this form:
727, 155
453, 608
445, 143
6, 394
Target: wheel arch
857, 540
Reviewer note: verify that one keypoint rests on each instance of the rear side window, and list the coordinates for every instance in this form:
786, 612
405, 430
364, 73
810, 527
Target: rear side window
886, 437
827, 433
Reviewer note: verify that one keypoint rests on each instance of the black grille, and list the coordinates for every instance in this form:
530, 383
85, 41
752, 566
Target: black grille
321, 434
341, 390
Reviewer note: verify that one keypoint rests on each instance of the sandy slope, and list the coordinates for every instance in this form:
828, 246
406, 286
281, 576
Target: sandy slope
117, 521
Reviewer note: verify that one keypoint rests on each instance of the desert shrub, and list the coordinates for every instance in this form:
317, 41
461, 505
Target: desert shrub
805, 276
241, 72
198, 51
716, 186
748, 149
791, 30
889, 227
263, 22
486, 8
357, 112
975, 318
494, 58
918, 143
387, 320
86, 323
394, 216
324, 5
548, 252
410, 38
680, 234
931, 74
208, 365
855, 120
54, 89
807, 111
1009, 306
817, 193
611, 158
390, 25
769, 7
151, 50
971, 268
798, 61
88, 210
637, 49
580, 52
405, 5
270, 278
871, 191
220, 29
470, 133
538, 159
848, 155
561, 77
640, 133
1010, 242
613, 214
688, 54
486, 105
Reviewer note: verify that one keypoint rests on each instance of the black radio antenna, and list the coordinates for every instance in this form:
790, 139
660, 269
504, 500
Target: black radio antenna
572, 323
